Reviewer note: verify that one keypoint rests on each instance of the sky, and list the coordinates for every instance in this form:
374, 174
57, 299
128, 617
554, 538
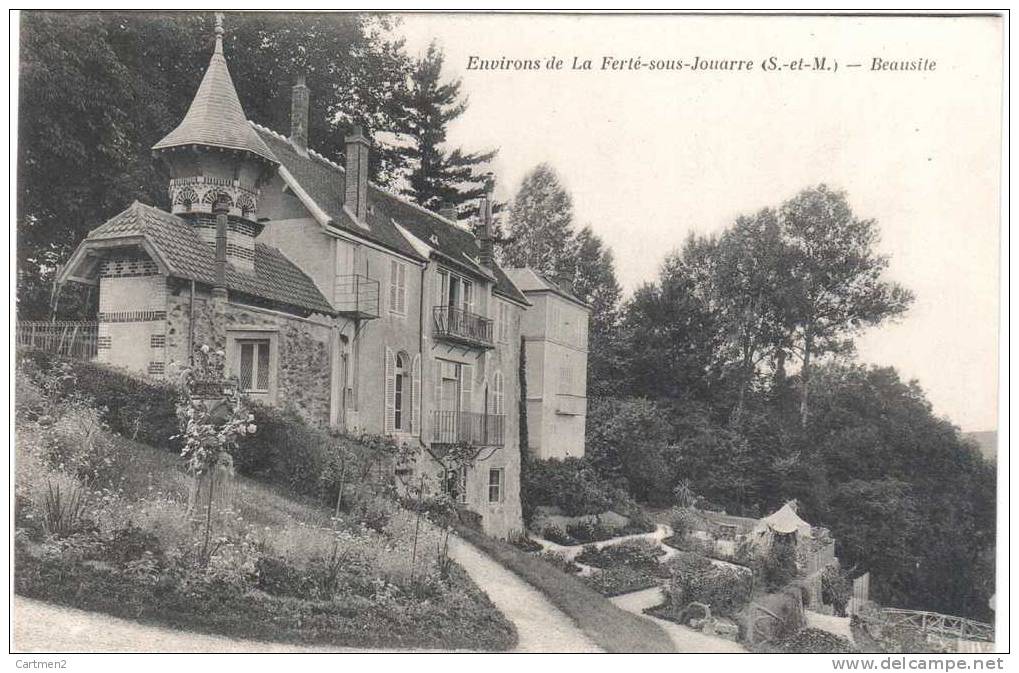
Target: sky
650, 157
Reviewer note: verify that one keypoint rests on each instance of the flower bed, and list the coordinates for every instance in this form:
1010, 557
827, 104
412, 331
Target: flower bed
633, 553
621, 580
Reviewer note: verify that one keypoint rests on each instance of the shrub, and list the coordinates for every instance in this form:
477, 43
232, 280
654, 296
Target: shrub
633, 553
725, 589
621, 580
63, 506
559, 560
836, 588
554, 533
572, 485
134, 407
776, 564
814, 641
521, 541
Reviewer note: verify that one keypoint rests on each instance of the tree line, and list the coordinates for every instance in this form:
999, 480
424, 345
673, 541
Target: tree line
730, 381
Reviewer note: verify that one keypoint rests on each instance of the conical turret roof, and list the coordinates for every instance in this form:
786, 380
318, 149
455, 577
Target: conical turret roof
216, 118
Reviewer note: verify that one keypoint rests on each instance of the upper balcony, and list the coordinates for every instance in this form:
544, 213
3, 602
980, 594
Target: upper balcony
356, 296
463, 327
468, 427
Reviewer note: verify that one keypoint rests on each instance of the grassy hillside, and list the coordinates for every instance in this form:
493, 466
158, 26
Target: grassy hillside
112, 525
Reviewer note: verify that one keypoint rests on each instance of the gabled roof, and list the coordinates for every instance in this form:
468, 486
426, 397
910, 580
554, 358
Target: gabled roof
216, 118
786, 521
324, 182
176, 246
529, 280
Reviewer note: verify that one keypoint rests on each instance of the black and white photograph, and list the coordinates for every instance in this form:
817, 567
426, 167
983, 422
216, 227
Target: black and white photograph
563, 332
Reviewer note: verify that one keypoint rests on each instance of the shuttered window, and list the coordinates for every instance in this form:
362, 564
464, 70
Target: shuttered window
503, 318
390, 391
397, 287
415, 396
498, 398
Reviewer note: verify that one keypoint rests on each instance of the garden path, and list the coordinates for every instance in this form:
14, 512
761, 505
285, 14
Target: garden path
660, 532
541, 627
44, 627
685, 639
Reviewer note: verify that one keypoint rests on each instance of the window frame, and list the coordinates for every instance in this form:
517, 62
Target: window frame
235, 340
500, 485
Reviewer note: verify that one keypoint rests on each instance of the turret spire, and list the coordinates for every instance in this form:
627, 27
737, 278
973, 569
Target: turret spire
219, 33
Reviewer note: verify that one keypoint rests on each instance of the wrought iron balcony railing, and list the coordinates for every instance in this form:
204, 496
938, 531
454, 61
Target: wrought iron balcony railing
357, 296
463, 327
468, 427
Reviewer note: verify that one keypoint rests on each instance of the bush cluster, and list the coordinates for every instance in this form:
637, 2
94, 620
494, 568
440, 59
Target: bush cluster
572, 485
725, 589
641, 554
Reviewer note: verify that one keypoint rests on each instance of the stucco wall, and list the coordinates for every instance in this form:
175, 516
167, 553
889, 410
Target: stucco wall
132, 305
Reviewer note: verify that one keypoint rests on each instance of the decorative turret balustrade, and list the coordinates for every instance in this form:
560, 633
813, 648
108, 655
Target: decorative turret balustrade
196, 194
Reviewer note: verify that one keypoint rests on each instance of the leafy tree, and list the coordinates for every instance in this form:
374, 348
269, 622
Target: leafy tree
540, 226
439, 178
669, 336
741, 277
835, 284
595, 282
628, 443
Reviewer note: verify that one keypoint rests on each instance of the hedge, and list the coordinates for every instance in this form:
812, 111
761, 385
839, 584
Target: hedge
285, 451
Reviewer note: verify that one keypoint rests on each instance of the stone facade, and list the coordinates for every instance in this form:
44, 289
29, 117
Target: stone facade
300, 348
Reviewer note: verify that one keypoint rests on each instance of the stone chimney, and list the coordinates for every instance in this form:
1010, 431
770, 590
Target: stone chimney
449, 212
355, 197
300, 98
564, 279
484, 229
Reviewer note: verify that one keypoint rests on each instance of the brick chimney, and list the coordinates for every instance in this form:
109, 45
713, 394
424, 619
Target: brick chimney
355, 197
300, 98
220, 209
484, 229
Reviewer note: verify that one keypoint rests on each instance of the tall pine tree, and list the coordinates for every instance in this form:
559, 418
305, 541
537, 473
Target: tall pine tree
440, 177
541, 225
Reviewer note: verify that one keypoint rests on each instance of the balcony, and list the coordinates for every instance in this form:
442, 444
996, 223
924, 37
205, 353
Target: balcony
468, 427
356, 296
462, 327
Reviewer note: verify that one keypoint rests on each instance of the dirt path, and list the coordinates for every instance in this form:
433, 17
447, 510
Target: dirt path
685, 639
44, 627
540, 625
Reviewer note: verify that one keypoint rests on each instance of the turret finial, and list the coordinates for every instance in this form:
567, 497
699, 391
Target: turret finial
219, 32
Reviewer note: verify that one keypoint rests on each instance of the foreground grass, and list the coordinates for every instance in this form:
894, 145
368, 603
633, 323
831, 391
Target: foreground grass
610, 627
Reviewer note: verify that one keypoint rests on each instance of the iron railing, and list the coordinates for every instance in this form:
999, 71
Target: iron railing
79, 340
357, 296
456, 324
468, 427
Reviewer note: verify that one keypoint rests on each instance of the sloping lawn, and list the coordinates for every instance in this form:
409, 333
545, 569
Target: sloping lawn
610, 627
107, 524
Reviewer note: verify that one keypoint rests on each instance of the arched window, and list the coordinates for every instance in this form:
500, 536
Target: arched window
401, 392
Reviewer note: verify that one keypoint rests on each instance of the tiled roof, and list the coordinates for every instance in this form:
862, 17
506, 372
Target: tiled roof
216, 118
186, 255
529, 280
324, 181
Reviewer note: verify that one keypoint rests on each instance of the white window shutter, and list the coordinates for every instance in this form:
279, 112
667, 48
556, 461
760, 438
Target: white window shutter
390, 419
466, 387
415, 396
402, 288
438, 384
393, 306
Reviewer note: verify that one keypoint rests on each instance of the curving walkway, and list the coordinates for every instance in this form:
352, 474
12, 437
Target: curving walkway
541, 627
685, 639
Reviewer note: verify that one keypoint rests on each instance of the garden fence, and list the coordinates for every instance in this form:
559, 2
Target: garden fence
79, 340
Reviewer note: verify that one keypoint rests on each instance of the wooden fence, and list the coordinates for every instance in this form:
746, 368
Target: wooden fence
78, 340
861, 594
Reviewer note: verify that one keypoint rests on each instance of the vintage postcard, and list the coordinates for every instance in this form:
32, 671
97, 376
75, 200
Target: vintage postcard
508, 332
